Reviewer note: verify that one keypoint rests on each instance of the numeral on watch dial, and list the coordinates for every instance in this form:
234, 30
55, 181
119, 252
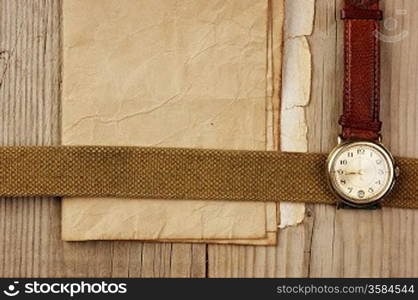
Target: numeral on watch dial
360, 172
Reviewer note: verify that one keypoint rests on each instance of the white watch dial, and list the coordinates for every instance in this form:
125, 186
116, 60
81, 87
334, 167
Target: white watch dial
361, 172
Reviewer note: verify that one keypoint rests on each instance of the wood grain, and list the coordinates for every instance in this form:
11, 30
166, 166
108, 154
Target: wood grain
353, 243
329, 242
30, 68
29, 105
346, 243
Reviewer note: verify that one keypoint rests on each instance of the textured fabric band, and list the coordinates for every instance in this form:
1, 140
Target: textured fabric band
170, 173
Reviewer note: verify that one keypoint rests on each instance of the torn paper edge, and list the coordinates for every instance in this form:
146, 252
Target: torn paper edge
296, 88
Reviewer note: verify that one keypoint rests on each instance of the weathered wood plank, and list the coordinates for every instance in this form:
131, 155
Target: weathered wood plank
29, 105
347, 243
351, 243
30, 77
328, 243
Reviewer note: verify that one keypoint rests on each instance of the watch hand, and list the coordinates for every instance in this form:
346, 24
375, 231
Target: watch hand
359, 172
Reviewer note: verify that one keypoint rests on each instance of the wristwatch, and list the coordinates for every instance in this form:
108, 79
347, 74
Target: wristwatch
361, 171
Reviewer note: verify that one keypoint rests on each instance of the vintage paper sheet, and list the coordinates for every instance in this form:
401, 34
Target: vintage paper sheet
167, 73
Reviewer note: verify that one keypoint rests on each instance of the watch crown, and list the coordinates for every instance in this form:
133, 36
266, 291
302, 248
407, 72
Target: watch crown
397, 171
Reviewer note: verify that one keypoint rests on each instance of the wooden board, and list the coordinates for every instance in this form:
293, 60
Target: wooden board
30, 68
347, 243
328, 242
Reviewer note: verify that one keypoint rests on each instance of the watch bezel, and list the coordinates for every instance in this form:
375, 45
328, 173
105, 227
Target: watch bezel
344, 144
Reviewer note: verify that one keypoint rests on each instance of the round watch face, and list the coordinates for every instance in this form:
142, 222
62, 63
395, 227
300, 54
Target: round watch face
361, 172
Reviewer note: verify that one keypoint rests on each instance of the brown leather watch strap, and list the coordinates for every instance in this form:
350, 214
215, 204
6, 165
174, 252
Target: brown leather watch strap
361, 105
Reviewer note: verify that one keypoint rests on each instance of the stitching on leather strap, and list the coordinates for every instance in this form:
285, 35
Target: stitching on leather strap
376, 66
374, 126
361, 14
363, 4
361, 105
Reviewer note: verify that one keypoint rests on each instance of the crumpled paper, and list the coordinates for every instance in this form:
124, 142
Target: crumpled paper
166, 73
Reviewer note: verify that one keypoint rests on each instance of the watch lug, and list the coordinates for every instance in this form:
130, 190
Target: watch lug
342, 205
339, 139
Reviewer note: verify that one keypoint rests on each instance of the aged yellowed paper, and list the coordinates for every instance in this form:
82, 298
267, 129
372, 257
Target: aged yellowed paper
296, 91
167, 73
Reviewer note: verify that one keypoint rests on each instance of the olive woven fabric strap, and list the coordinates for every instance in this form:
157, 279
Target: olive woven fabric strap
172, 173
